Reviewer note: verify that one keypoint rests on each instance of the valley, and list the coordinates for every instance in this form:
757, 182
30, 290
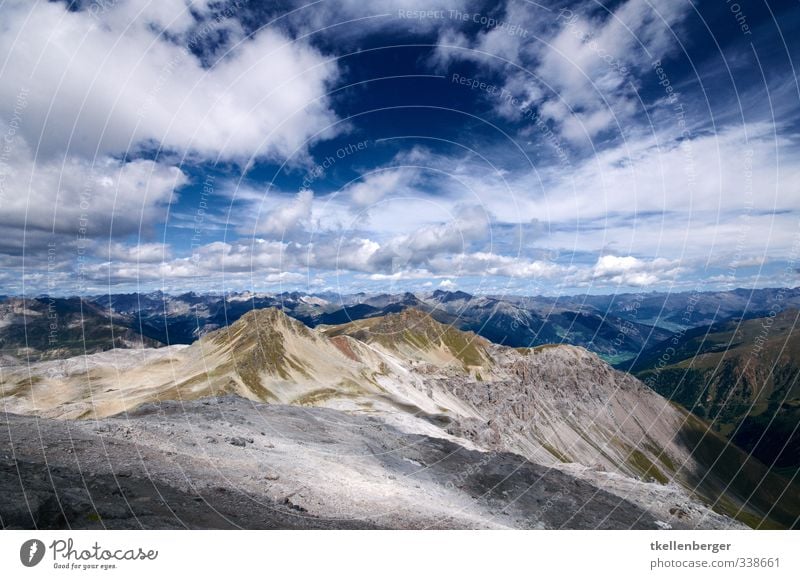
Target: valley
742, 376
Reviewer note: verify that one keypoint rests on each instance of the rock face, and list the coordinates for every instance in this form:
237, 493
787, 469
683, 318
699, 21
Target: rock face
556, 406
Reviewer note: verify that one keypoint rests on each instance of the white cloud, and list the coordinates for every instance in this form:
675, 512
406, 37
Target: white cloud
282, 277
351, 20
102, 82
470, 224
749, 261
289, 218
376, 186
139, 253
632, 271
107, 197
702, 197
404, 275
483, 263
112, 82
724, 176
613, 265
580, 77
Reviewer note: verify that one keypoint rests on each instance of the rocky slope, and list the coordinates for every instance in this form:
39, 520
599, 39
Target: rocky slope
232, 463
559, 407
564, 404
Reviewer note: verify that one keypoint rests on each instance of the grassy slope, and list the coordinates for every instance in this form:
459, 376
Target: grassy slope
744, 378
737, 485
416, 330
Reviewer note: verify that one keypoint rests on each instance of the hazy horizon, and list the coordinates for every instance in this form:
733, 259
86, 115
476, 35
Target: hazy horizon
321, 292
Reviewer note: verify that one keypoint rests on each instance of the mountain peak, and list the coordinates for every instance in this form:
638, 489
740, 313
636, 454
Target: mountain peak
271, 315
264, 327
448, 296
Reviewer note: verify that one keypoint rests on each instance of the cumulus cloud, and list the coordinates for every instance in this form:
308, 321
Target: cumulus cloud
126, 76
101, 198
621, 203
89, 90
139, 253
376, 186
698, 197
288, 218
677, 195
483, 263
632, 271
273, 261
470, 224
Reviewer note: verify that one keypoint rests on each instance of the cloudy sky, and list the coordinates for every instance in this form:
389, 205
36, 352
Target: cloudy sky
391, 145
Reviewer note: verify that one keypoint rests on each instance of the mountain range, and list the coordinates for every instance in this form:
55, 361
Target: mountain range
44, 327
557, 406
619, 328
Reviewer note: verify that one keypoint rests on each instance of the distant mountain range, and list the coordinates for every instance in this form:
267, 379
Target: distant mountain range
680, 310
559, 406
619, 328
42, 328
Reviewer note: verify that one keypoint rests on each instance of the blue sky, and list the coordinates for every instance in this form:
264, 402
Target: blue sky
398, 145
